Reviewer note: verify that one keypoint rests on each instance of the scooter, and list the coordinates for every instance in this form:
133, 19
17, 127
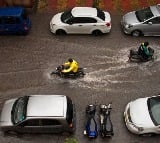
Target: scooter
106, 126
135, 57
78, 74
91, 129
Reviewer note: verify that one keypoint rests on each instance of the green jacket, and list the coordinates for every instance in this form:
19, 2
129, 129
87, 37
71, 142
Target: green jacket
145, 49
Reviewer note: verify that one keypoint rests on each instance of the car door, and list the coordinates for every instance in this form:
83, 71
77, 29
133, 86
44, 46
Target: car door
51, 126
152, 26
80, 25
30, 126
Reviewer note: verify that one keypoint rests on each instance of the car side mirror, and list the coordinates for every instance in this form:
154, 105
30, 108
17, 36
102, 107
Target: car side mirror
150, 23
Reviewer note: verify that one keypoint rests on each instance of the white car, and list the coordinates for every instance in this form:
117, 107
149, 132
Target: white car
81, 20
142, 116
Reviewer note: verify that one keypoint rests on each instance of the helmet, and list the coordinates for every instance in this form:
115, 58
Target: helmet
146, 43
70, 60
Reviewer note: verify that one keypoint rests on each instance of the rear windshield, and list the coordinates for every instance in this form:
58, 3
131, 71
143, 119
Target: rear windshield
144, 14
69, 116
100, 14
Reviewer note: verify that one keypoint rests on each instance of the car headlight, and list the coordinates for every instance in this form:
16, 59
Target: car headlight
129, 25
140, 129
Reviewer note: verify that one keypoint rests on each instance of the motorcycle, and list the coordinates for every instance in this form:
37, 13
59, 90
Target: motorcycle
58, 71
135, 57
106, 126
91, 126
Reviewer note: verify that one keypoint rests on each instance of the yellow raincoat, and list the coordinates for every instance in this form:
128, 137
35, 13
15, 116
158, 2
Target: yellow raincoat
73, 67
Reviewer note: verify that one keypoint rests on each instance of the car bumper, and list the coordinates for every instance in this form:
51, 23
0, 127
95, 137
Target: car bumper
130, 126
125, 30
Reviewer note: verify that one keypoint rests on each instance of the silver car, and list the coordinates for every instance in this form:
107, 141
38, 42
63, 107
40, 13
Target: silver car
38, 114
144, 22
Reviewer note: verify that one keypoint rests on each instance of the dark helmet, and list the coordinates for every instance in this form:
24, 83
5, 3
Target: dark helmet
146, 43
70, 60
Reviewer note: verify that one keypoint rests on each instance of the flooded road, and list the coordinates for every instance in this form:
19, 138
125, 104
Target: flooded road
27, 61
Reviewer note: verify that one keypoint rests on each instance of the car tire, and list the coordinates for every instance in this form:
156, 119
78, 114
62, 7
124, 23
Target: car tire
60, 32
97, 33
147, 134
136, 33
11, 133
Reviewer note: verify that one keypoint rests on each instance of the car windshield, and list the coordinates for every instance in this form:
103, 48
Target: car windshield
19, 109
100, 14
144, 14
154, 109
66, 16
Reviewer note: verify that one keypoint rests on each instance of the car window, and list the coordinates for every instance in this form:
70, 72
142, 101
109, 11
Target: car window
41, 122
31, 122
155, 20
49, 122
154, 109
9, 20
77, 20
144, 14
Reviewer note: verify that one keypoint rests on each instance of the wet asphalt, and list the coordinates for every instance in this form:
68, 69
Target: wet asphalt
27, 61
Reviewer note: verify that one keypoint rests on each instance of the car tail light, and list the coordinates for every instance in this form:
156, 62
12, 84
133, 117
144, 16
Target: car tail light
25, 26
71, 125
108, 24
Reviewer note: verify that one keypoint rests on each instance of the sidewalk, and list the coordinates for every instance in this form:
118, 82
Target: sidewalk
114, 6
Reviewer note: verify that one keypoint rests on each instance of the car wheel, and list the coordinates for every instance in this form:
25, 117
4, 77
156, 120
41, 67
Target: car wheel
136, 33
147, 134
97, 32
11, 133
60, 32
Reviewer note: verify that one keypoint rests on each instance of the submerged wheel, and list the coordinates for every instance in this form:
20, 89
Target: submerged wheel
136, 33
60, 32
97, 32
147, 134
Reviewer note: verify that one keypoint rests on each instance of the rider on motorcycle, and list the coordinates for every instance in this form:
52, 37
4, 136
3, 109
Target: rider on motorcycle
71, 66
144, 50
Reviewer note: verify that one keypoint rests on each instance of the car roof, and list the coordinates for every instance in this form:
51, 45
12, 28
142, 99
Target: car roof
84, 11
11, 11
47, 105
155, 10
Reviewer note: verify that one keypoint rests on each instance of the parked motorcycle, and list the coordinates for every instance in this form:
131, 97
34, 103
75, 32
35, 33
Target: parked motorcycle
58, 71
106, 126
135, 57
91, 126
